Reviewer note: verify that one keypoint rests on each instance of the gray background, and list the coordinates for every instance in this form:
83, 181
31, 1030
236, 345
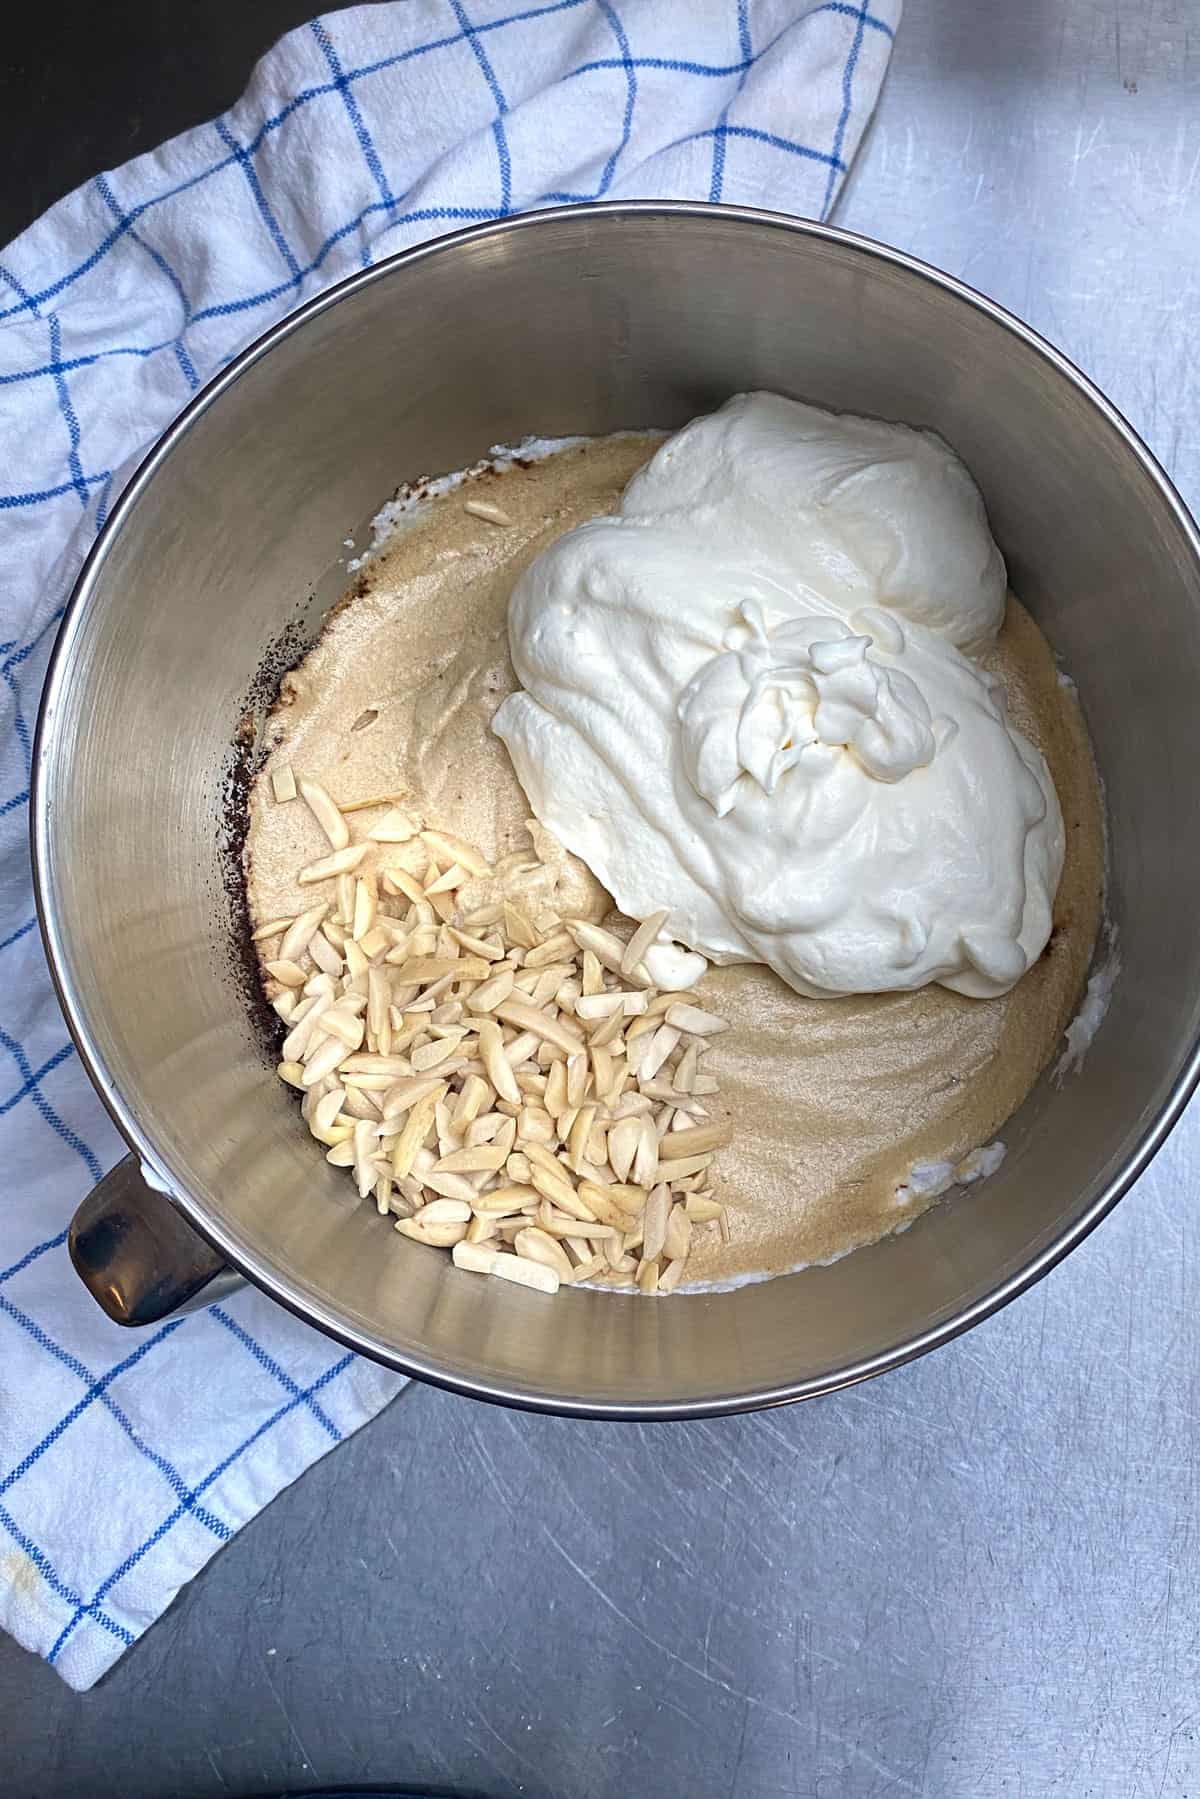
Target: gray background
976, 1577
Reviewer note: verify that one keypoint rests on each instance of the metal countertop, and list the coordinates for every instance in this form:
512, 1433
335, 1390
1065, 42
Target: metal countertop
973, 1578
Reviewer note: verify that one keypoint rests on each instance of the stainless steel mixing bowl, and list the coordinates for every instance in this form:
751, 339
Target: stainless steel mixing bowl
583, 320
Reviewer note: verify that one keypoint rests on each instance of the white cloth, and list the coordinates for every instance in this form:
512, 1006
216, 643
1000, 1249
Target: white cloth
126, 1460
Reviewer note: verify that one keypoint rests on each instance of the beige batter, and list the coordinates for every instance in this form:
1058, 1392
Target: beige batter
831, 1101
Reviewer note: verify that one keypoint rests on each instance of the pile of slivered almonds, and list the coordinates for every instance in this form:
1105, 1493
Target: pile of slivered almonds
513, 1087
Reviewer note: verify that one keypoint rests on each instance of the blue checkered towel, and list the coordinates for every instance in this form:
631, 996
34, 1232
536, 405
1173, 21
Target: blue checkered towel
125, 1461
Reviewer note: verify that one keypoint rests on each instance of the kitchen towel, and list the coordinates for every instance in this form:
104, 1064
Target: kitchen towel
126, 1460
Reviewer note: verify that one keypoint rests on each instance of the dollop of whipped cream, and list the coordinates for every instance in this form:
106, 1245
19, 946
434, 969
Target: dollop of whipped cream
749, 696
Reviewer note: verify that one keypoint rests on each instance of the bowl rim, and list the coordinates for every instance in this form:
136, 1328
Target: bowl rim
253, 1266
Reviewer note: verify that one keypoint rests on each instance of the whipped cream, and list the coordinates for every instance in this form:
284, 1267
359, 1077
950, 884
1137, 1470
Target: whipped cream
749, 696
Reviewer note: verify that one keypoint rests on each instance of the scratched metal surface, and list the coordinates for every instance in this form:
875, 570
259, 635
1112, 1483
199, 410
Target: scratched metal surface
974, 1578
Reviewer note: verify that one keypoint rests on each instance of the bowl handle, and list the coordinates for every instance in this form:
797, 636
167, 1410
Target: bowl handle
138, 1256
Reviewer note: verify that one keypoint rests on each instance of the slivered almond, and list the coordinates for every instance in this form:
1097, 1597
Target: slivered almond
365, 907
641, 940
546, 986
393, 827
558, 1188
275, 928
412, 1134
487, 1127
601, 1207
685, 1068
488, 995
345, 1026
430, 1054
420, 1117
326, 1110
669, 1278
678, 1240
435, 1236
535, 1245
551, 950
602, 1068
577, 1078
664, 1040
378, 995
588, 1271
473, 1099
679, 1169
364, 1149
455, 876
477, 946
420, 970
580, 1131
556, 1089
519, 927
602, 943
491, 515
647, 1275
563, 1226
329, 1054
289, 974
654, 1222
398, 880
607, 1032
327, 958
645, 1161
525, 1273
301, 1034
528, 1018
695, 1020
475, 1257
623, 1140
599, 1005
484, 916
695, 1140
502, 1202
535, 1127
444, 1211
671, 1096
326, 813
453, 849
367, 1062
496, 1064
283, 783
702, 1210
341, 862
485, 1158
630, 1198
369, 805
